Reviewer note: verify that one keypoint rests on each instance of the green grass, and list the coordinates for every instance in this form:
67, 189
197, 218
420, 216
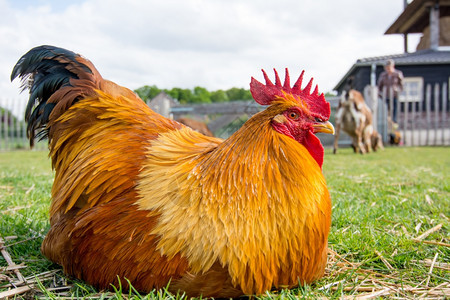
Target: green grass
381, 202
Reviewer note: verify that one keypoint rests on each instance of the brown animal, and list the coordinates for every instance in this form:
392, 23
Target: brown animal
395, 137
196, 125
376, 141
355, 118
141, 197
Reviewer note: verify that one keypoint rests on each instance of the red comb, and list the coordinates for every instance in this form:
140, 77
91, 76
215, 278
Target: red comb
265, 94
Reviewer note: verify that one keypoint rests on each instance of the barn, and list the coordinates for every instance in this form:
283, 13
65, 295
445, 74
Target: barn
420, 68
428, 65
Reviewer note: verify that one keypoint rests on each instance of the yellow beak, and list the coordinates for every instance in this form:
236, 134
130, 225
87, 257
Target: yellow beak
325, 127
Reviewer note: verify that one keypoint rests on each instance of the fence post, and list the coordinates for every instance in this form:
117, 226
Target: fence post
381, 114
444, 111
371, 93
391, 105
419, 120
405, 118
436, 112
428, 113
397, 108
374, 94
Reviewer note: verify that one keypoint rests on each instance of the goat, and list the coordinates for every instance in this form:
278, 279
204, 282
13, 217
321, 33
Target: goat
355, 118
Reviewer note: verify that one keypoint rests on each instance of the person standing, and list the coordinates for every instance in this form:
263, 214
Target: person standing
391, 80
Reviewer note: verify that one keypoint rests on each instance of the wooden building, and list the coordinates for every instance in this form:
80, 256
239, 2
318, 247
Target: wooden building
429, 64
162, 104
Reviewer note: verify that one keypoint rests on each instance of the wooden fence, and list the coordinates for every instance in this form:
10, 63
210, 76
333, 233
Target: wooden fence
421, 122
424, 122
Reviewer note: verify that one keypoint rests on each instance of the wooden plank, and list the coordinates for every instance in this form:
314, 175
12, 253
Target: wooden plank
436, 112
397, 106
428, 114
444, 111
382, 120
371, 97
391, 106
405, 121
420, 120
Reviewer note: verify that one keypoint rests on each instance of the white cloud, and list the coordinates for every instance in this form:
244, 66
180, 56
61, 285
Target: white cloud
216, 44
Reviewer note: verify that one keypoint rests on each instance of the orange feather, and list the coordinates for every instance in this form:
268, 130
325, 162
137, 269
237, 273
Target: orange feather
140, 197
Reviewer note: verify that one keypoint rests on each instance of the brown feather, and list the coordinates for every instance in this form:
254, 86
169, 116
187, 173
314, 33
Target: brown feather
140, 197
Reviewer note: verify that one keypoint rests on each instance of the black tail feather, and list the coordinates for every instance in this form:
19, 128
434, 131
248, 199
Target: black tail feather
44, 70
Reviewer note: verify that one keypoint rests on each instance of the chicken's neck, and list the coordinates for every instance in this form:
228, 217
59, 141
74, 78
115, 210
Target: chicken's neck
258, 143
259, 192
257, 157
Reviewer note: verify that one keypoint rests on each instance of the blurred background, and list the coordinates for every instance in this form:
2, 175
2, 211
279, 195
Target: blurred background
198, 52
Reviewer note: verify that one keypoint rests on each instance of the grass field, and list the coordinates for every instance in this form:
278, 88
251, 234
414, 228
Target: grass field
389, 236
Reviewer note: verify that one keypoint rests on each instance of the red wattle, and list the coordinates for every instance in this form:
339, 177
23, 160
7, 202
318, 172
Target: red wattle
314, 146
310, 141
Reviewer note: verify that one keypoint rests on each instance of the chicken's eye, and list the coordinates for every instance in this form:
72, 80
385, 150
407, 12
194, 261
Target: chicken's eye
318, 119
293, 115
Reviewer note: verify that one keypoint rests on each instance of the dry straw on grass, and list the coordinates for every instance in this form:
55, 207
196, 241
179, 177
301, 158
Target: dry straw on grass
362, 283
370, 284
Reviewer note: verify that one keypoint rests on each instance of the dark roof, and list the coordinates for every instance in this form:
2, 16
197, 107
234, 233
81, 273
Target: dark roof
427, 56
422, 57
416, 16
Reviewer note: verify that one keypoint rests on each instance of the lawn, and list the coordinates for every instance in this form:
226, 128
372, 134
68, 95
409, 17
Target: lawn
389, 236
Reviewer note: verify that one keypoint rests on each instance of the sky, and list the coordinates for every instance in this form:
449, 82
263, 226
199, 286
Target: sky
216, 44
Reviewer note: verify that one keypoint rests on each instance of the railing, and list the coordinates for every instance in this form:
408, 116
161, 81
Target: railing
424, 121
13, 129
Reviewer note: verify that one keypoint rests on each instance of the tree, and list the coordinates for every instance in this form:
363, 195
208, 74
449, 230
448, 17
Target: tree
147, 92
219, 96
185, 96
201, 95
238, 94
196, 95
174, 93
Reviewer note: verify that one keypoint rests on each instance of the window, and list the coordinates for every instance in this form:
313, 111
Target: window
412, 89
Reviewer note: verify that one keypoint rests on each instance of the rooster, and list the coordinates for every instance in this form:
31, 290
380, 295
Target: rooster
140, 197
